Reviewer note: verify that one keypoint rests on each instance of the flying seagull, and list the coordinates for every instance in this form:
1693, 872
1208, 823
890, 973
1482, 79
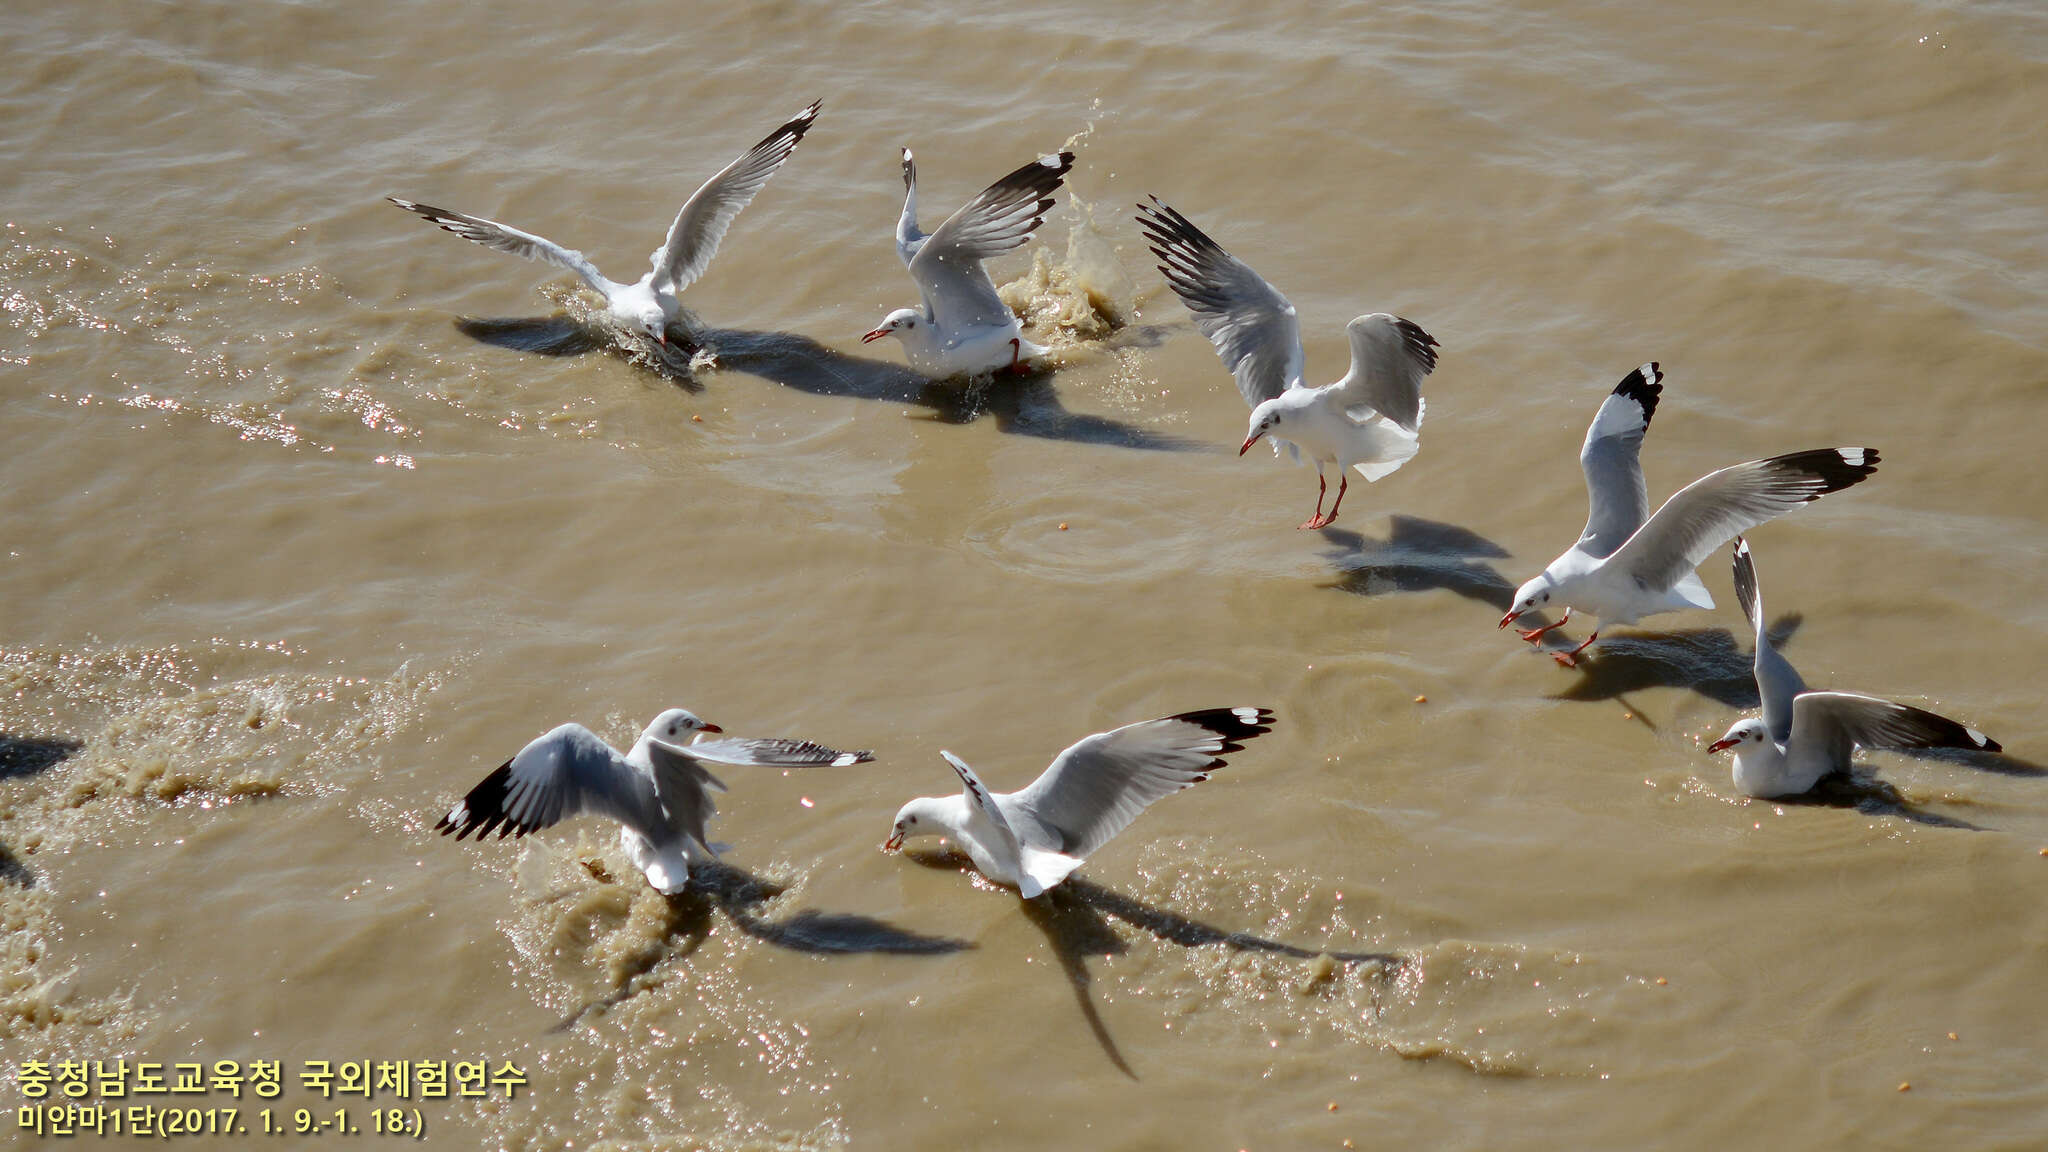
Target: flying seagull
1624, 567
1370, 420
1032, 838
660, 792
648, 306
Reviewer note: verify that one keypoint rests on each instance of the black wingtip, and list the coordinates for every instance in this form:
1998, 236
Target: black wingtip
1232, 725
482, 810
1420, 344
1745, 580
1643, 385
1833, 468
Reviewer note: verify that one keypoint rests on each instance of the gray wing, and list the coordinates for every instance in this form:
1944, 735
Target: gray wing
947, 266
1389, 358
1617, 499
978, 795
908, 238
685, 788
1094, 789
1712, 510
1777, 682
492, 234
777, 752
566, 772
702, 223
1254, 328
1839, 721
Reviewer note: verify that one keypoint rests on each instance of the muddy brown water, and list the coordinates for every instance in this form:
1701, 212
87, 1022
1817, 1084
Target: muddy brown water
313, 515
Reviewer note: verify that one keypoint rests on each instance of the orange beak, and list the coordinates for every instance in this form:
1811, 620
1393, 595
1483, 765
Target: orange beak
877, 334
709, 727
1718, 745
894, 842
1510, 617
1249, 441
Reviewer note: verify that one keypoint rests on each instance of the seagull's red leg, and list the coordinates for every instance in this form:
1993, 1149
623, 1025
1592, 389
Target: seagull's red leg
1017, 367
1532, 635
1343, 484
1564, 659
1322, 489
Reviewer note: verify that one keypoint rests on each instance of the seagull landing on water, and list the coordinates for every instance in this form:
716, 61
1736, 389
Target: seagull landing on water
1623, 567
648, 306
964, 328
1031, 839
660, 792
1369, 420
1805, 736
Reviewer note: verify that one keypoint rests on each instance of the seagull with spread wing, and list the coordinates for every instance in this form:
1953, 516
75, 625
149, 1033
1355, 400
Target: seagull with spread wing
659, 792
648, 306
1032, 838
963, 327
1370, 420
1804, 736
1625, 567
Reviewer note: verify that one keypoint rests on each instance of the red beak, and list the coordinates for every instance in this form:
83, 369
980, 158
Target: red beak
1718, 745
1509, 618
708, 727
894, 842
877, 334
1249, 441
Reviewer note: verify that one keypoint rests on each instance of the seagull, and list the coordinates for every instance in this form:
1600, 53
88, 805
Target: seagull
1804, 736
660, 792
648, 306
1033, 838
1369, 420
964, 328
1624, 567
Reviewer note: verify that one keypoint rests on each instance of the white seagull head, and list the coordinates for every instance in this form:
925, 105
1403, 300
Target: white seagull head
1530, 597
1266, 417
675, 725
1745, 732
921, 817
894, 324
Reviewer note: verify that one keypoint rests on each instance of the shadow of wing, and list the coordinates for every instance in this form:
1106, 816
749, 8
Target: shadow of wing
1025, 406
1872, 797
1419, 556
28, 755
557, 335
842, 932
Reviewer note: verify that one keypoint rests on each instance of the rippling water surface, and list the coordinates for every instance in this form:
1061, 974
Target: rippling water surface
313, 515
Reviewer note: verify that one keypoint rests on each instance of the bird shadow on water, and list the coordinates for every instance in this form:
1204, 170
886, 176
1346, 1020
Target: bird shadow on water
717, 888
1076, 915
563, 334
1419, 556
20, 758
1026, 405
1872, 797
1861, 789
1708, 661
1021, 405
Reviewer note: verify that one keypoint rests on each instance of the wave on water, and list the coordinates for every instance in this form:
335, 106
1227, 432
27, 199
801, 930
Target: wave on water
107, 729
